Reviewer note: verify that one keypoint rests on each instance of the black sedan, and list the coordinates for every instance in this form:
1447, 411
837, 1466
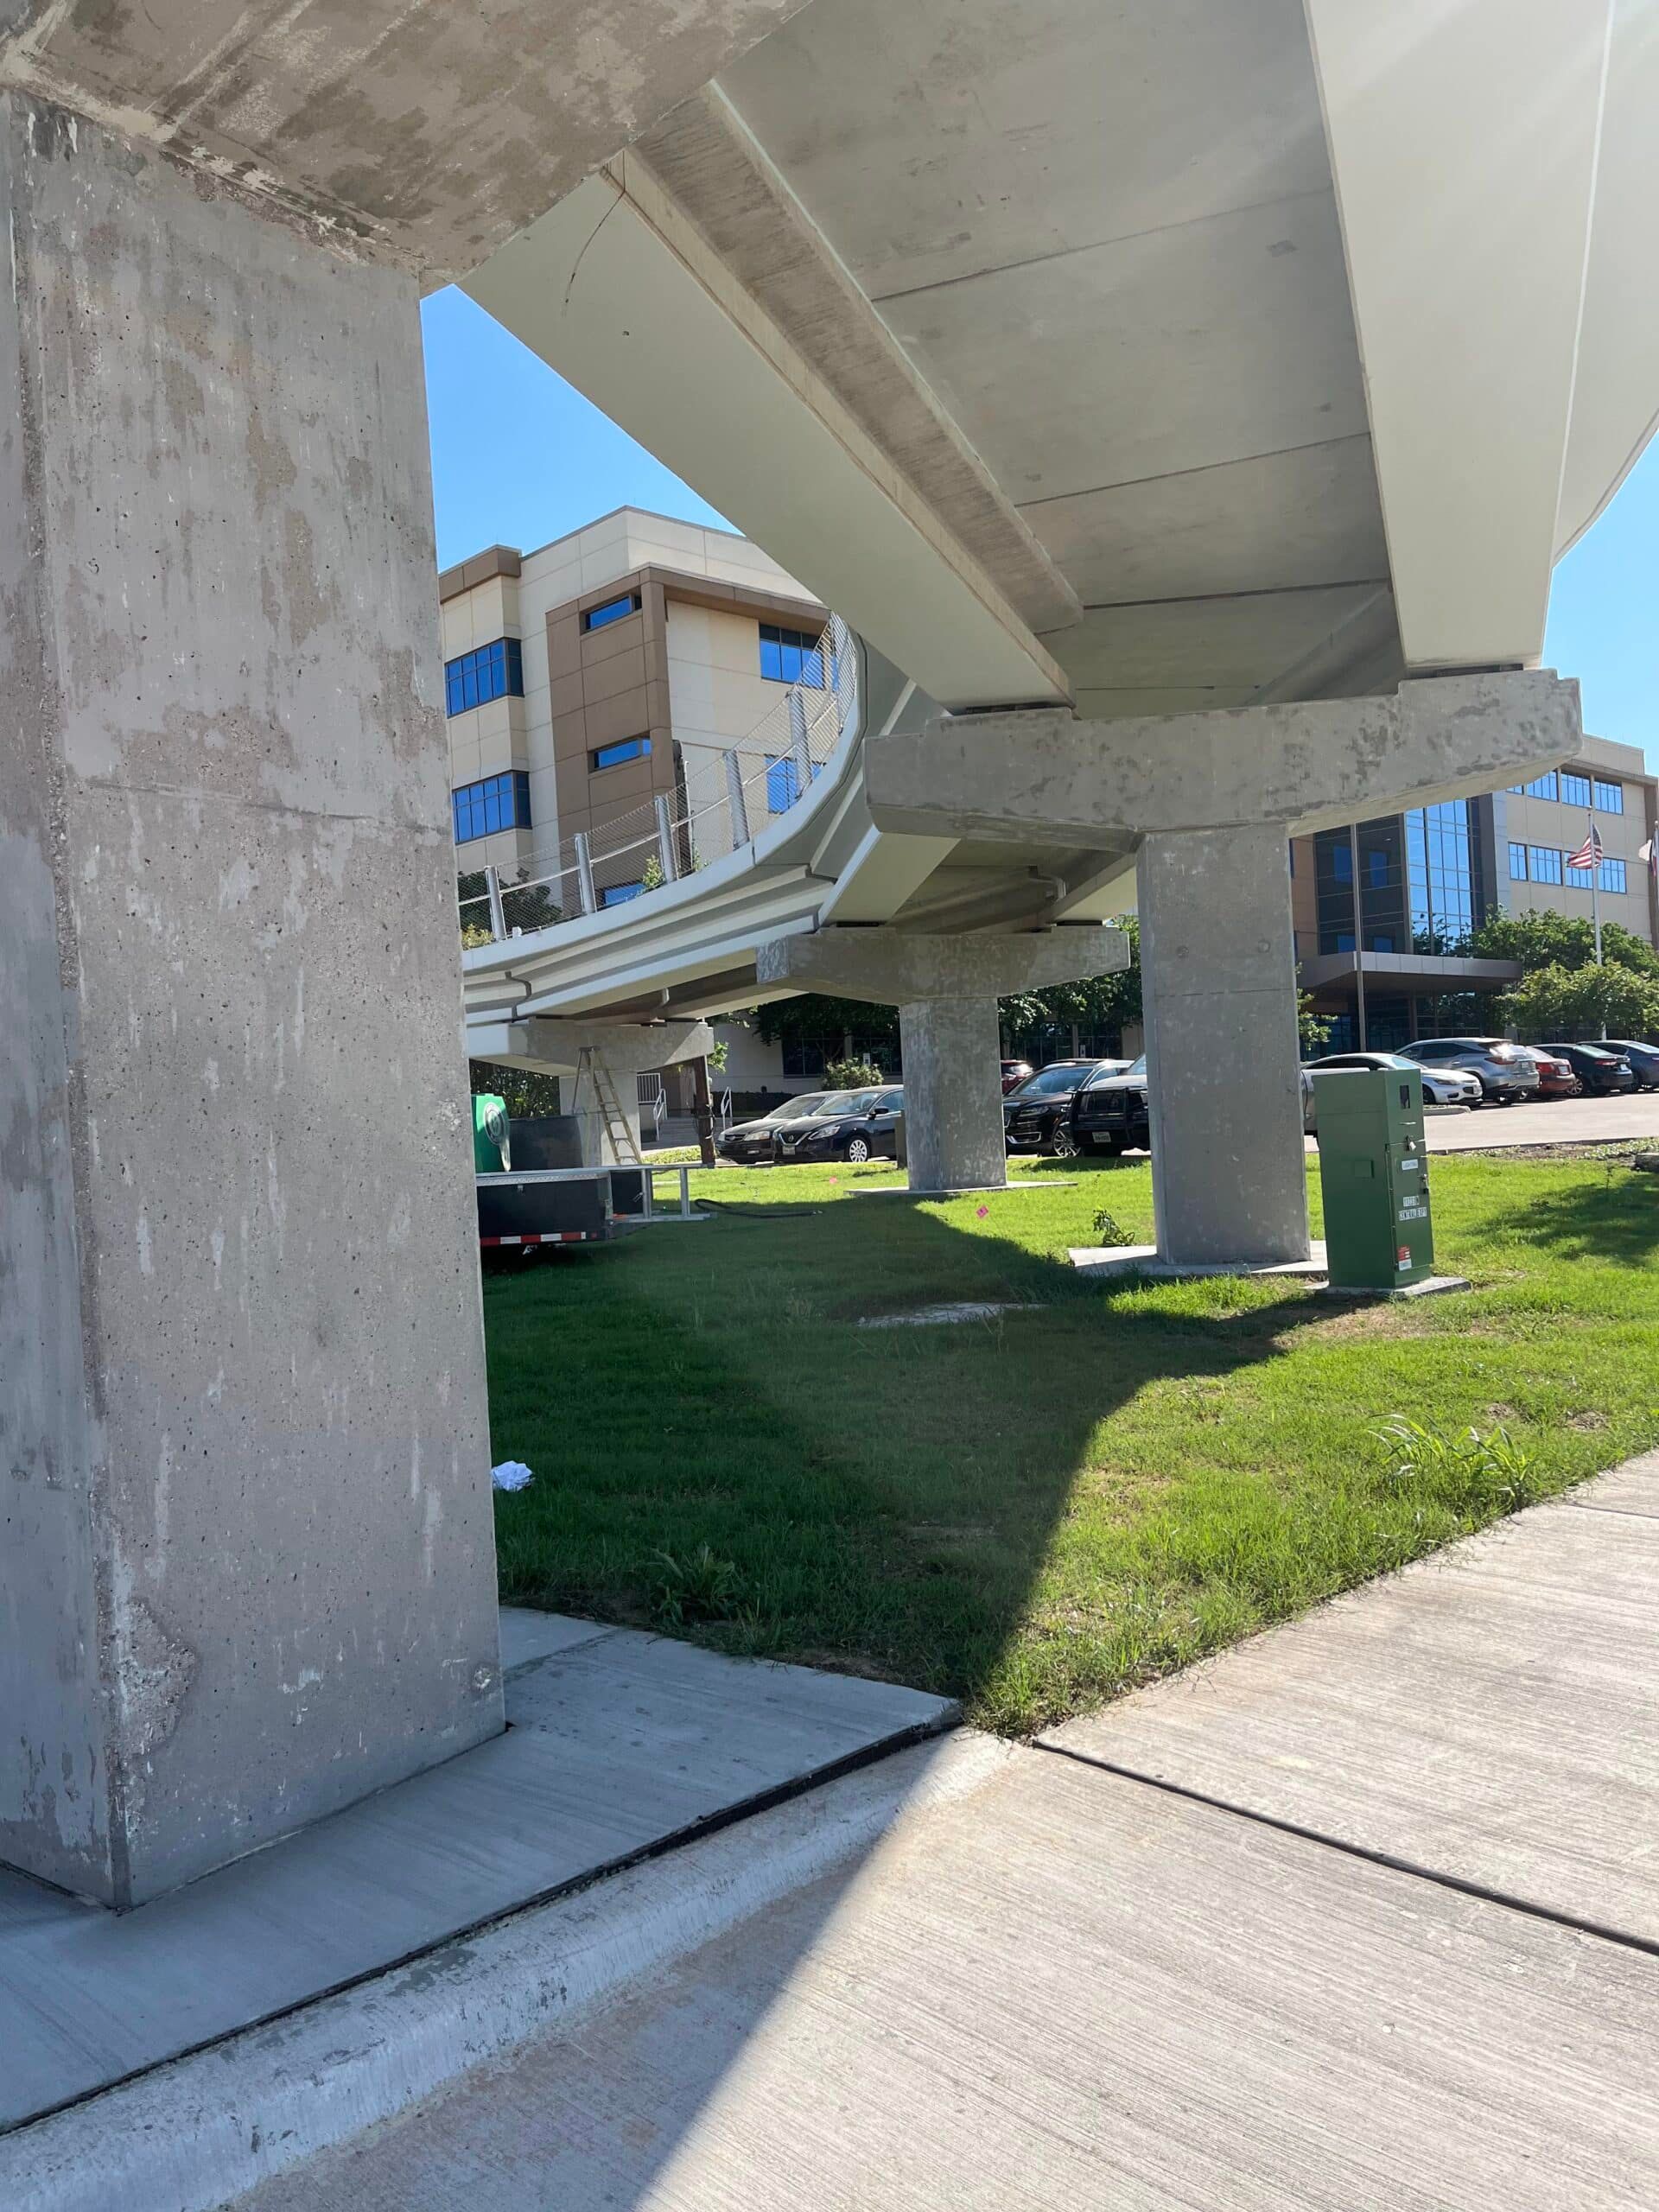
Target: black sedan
1037, 1115
1110, 1113
854, 1125
1643, 1059
1599, 1068
749, 1143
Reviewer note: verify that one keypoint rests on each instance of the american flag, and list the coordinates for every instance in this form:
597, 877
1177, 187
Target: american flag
1589, 853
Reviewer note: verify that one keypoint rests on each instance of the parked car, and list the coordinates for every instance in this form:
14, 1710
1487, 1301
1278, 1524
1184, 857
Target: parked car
1505, 1072
1111, 1112
1442, 1086
1555, 1076
854, 1125
750, 1143
1014, 1073
1643, 1059
1037, 1116
1599, 1068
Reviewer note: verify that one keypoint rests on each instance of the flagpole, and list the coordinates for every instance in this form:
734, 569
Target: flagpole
1595, 884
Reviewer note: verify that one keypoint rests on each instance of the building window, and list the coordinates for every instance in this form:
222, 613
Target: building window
1342, 862
1518, 863
1543, 864
498, 802
1575, 790
1612, 875
783, 784
1578, 879
618, 894
1544, 786
791, 657
613, 610
493, 671
625, 748
1610, 798
808, 1056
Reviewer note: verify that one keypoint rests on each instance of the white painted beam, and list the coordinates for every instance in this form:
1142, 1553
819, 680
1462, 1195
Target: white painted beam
1464, 137
627, 303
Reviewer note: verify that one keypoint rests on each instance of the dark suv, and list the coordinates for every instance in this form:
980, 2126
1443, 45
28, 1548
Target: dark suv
1110, 1113
1037, 1115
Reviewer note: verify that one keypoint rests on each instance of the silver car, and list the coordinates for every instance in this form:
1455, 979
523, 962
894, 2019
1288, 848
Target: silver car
1442, 1086
1504, 1072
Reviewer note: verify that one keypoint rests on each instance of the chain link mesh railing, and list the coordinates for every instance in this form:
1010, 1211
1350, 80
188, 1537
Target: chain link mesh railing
723, 798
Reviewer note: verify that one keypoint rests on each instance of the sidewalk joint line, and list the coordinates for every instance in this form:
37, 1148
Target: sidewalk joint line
1647, 1946
1625, 1512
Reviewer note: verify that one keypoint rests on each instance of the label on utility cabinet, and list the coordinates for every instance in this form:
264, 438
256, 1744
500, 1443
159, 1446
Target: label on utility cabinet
1414, 1212
1410, 1164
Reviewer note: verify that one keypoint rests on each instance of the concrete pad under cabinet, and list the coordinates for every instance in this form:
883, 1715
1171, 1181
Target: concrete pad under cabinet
617, 1742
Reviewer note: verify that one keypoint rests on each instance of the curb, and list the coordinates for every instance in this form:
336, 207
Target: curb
194, 2135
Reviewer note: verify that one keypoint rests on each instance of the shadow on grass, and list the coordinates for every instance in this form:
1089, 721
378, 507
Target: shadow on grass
1613, 1219
721, 1451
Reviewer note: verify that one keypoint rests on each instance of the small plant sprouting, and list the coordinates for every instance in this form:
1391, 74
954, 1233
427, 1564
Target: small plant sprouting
1109, 1230
698, 1586
1475, 1475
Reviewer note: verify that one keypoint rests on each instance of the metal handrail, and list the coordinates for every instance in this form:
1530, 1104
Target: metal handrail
798, 736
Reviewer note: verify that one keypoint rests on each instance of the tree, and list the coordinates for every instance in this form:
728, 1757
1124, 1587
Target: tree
1313, 1028
1558, 1002
1540, 940
527, 1090
1103, 1002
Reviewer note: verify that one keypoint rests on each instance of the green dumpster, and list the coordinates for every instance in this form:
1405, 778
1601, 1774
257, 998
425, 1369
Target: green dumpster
1374, 1175
491, 1154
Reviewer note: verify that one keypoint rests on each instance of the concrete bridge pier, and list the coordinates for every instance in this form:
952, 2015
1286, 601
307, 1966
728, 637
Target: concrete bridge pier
946, 989
1208, 802
247, 1574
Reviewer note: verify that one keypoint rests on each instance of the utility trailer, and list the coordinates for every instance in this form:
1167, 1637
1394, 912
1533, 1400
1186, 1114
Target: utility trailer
573, 1206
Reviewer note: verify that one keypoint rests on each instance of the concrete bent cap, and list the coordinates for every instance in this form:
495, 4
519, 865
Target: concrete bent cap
891, 968
1046, 776
553, 1045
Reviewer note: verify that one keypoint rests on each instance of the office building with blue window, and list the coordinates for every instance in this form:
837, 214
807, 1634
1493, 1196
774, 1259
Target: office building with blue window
587, 678
1384, 910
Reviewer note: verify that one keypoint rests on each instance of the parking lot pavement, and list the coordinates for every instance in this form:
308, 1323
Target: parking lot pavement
1552, 1121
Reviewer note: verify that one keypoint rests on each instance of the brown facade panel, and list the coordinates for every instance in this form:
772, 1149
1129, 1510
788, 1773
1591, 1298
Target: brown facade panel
494, 561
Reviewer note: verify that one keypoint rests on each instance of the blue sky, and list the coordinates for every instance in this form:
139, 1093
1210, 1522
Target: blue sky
535, 459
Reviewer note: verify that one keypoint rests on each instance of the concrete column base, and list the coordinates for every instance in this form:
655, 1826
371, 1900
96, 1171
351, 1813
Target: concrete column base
953, 1095
1218, 982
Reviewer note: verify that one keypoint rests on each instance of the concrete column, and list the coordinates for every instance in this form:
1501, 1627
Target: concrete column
953, 1095
1218, 983
946, 990
247, 1572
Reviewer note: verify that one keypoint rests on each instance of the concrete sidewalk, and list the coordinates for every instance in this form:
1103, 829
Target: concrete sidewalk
1362, 1915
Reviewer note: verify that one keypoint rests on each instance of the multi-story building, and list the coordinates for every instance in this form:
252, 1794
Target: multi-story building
1384, 910
615, 666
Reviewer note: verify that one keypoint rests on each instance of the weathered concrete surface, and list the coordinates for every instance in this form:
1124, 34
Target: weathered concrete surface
248, 1566
1047, 777
407, 130
953, 1095
618, 1742
1063, 1989
1219, 986
1488, 1715
895, 968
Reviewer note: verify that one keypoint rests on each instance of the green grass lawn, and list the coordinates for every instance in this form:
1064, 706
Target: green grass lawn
1035, 1512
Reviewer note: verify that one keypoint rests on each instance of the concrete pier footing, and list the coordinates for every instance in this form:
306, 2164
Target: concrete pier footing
248, 1572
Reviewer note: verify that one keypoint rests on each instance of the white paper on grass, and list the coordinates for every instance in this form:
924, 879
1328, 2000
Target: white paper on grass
511, 1474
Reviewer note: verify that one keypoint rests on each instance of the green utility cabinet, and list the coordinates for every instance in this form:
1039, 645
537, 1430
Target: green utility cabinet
491, 1155
1374, 1173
